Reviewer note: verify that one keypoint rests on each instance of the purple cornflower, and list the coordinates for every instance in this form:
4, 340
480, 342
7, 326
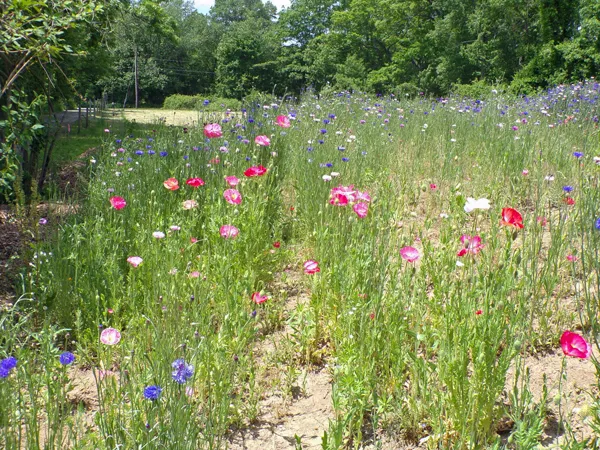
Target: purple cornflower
182, 371
568, 188
597, 224
323, 131
578, 155
345, 159
43, 221
152, 392
66, 358
163, 154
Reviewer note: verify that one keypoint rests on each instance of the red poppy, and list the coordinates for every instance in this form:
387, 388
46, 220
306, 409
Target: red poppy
276, 244
511, 218
569, 201
255, 171
195, 182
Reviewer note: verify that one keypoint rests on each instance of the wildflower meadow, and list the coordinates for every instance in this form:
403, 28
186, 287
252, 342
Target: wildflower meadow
419, 254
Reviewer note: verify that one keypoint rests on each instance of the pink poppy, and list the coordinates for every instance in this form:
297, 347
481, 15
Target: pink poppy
171, 184
542, 221
511, 218
194, 274
361, 209
255, 171
110, 336
262, 140
118, 202
258, 298
409, 254
572, 258
213, 130
229, 231
195, 182
472, 245
282, 121
311, 267
364, 196
574, 345
135, 260
233, 196
433, 186
232, 180
342, 195
190, 204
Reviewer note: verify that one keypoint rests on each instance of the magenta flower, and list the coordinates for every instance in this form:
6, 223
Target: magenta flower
195, 182
110, 336
233, 196
472, 245
409, 254
255, 171
229, 231
118, 202
574, 345
342, 195
213, 130
361, 209
262, 140
311, 267
135, 260
259, 298
282, 121
232, 180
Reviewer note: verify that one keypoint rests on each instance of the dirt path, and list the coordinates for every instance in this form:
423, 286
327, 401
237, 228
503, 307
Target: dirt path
188, 118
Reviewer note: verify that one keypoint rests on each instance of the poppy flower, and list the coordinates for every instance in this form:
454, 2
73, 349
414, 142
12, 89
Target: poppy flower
195, 182
262, 140
409, 254
258, 298
283, 121
361, 209
190, 204
158, 235
511, 218
472, 245
255, 171
233, 196
342, 195
569, 201
574, 345
542, 221
110, 336
135, 260
118, 202
472, 204
213, 130
311, 267
171, 184
232, 180
229, 231
276, 244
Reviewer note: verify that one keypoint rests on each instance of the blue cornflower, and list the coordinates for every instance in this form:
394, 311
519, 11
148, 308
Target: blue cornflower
345, 159
139, 152
321, 141
341, 148
182, 371
248, 158
129, 159
118, 141
332, 116
578, 155
568, 188
250, 120
151, 152
310, 149
163, 154
323, 130
244, 110
152, 392
328, 164
6, 365
185, 156
597, 224
66, 358
206, 102
326, 122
